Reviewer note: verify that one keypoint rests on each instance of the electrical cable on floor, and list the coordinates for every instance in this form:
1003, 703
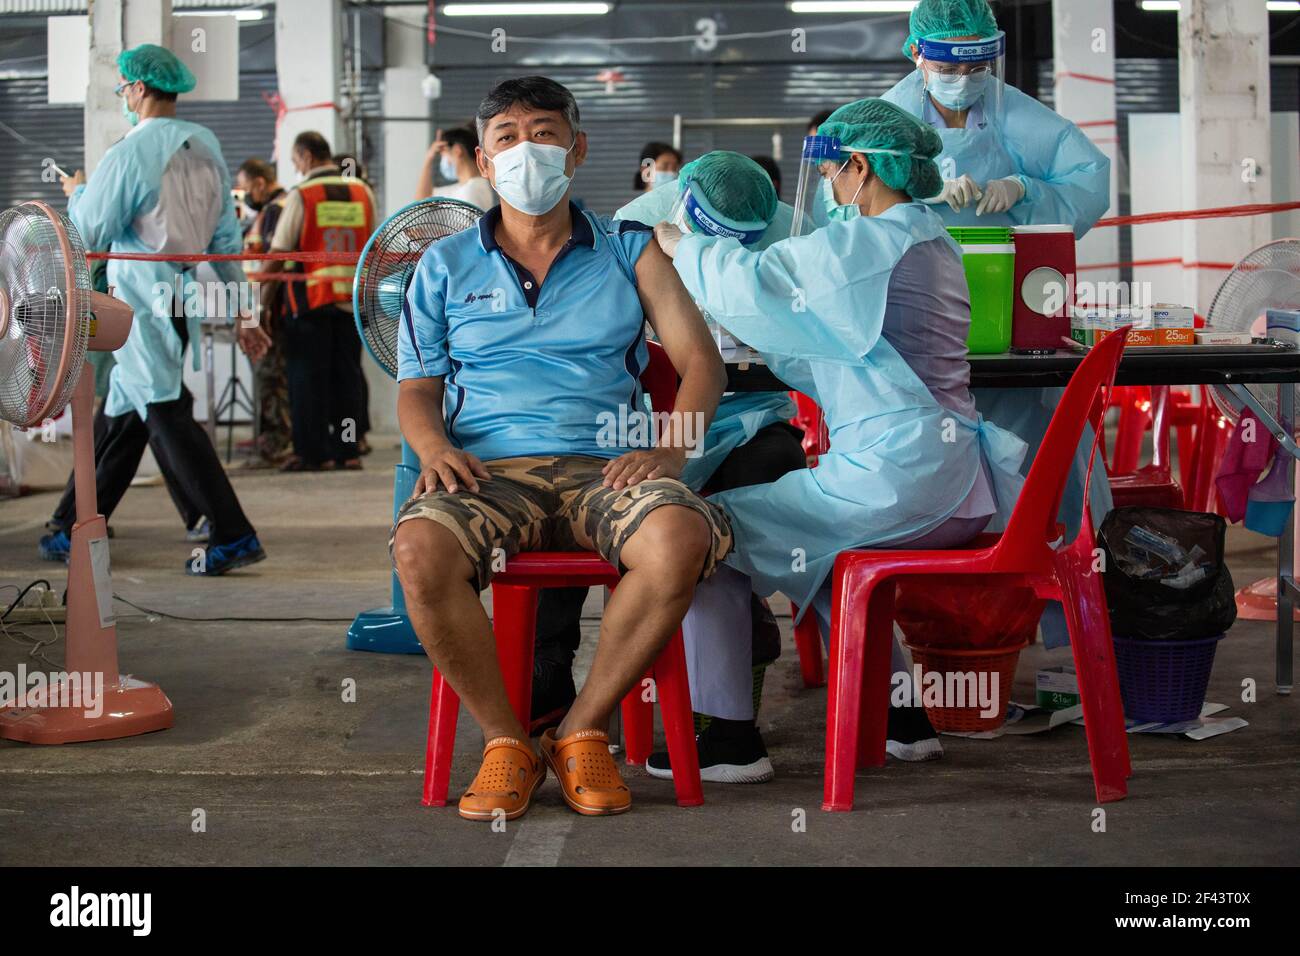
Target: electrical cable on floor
248, 620
34, 649
23, 593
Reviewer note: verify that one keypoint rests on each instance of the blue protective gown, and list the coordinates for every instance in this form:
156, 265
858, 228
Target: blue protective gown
900, 464
1066, 180
1066, 177
112, 212
740, 415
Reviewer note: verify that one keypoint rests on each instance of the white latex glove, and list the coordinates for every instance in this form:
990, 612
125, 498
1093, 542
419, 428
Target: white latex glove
668, 236
1000, 195
957, 193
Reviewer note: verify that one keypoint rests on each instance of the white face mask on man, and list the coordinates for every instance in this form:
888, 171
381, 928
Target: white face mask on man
531, 176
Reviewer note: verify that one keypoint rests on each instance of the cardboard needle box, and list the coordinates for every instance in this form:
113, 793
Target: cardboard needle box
1056, 688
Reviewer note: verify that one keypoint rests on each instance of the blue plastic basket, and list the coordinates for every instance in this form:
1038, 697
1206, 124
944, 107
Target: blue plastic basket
1164, 681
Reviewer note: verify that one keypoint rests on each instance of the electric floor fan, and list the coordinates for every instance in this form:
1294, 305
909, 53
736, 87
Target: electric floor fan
49, 318
384, 273
1268, 278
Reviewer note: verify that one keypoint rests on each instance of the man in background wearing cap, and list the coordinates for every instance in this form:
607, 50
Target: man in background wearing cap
162, 188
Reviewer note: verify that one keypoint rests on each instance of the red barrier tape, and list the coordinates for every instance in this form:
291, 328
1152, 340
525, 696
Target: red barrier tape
289, 277
316, 258
276, 102
1218, 212
1086, 76
1140, 263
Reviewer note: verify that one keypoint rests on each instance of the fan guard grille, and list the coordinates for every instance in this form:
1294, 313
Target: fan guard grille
44, 312
388, 262
1267, 278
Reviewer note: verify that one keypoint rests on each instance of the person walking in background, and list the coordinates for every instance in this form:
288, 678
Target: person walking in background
326, 212
452, 157
162, 188
266, 197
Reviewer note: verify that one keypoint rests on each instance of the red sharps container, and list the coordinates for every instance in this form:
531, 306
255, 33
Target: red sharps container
1044, 287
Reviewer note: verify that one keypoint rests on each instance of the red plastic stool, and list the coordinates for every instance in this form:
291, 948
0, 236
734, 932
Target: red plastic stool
514, 622
862, 621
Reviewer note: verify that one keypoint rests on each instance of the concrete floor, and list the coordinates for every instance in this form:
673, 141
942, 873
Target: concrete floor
287, 773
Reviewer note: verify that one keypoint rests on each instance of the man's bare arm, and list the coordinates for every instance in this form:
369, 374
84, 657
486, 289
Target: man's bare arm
419, 414
683, 334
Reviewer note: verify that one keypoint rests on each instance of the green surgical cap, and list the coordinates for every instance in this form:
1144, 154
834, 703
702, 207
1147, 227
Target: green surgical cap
736, 186
875, 124
157, 67
945, 19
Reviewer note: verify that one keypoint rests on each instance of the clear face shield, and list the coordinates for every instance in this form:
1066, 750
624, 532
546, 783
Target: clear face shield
694, 213
963, 74
822, 156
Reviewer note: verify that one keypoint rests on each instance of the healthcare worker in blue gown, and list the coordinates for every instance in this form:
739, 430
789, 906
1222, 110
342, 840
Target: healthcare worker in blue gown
868, 315
749, 441
1007, 160
163, 188
746, 208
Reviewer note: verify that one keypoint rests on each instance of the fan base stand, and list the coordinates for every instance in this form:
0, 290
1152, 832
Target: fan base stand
1258, 601
129, 708
383, 630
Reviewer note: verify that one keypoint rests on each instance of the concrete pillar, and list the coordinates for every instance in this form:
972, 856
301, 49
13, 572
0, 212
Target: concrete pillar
116, 25
404, 148
1083, 50
404, 143
308, 64
1224, 125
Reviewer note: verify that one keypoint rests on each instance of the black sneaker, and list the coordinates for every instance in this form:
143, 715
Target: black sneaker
731, 751
553, 692
910, 735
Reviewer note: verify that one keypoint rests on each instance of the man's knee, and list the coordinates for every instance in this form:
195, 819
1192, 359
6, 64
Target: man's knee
429, 560
675, 540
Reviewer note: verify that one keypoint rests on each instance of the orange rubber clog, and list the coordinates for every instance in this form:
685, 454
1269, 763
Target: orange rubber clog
506, 780
588, 776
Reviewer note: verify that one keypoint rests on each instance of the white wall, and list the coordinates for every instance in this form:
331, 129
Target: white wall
1156, 181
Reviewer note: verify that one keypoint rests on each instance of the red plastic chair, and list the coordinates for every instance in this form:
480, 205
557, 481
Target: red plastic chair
1152, 485
514, 623
810, 419
862, 626
1212, 434
808, 641
1137, 406
1134, 405
1184, 416
816, 442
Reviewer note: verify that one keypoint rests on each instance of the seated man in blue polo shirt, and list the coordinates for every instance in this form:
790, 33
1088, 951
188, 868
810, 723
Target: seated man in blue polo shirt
522, 339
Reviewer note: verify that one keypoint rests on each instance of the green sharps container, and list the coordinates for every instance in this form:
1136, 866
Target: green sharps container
989, 257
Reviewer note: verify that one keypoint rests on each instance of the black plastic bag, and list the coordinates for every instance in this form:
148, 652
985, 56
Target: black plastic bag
1164, 575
